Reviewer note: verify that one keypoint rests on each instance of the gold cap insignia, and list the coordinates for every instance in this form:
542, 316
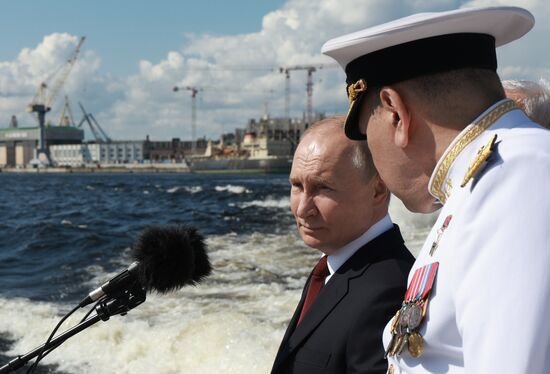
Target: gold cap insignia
481, 158
351, 124
355, 89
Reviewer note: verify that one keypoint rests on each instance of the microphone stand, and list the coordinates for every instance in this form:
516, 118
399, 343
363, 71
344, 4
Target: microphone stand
119, 304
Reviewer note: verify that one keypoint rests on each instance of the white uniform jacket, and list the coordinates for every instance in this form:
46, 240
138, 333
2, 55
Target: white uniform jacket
489, 310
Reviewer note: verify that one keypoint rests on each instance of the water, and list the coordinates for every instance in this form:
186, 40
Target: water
63, 235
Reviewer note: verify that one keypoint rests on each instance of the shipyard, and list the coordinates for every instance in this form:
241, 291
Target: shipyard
265, 144
188, 187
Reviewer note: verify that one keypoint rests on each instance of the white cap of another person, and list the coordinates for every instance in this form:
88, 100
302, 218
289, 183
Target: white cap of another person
422, 44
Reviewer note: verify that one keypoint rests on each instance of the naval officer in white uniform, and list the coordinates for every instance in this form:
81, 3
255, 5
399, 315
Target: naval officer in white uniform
425, 93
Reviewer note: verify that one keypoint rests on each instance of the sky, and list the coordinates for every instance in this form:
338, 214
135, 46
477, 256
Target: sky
135, 52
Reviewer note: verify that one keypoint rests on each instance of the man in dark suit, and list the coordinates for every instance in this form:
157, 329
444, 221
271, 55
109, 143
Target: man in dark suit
341, 208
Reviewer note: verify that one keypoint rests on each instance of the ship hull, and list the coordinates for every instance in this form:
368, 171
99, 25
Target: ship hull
268, 165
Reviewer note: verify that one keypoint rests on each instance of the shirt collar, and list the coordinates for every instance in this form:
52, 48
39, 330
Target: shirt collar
340, 256
441, 181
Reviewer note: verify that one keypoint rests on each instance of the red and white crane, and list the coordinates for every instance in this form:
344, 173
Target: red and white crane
309, 85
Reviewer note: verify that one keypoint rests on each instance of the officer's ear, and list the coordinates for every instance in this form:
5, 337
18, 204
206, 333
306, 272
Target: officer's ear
393, 102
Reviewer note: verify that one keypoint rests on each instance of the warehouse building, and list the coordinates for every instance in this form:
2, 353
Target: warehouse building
18, 145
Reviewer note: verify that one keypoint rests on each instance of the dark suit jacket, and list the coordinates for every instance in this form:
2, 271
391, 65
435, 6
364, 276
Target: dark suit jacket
342, 330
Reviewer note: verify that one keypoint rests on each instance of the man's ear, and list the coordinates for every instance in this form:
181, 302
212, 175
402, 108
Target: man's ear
380, 191
393, 102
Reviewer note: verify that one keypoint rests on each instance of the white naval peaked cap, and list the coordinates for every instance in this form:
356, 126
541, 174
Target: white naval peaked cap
422, 44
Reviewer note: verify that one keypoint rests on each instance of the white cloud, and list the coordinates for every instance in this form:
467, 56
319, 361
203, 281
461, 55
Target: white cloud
144, 103
20, 78
528, 57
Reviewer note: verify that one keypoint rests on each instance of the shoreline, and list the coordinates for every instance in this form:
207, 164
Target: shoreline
138, 169
153, 168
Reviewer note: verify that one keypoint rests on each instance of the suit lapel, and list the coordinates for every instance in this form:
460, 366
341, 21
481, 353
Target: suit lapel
385, 245
331, 294
329, 297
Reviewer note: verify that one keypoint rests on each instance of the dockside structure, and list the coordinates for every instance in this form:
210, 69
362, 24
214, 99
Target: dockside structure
124, 152
18, 145
263, 138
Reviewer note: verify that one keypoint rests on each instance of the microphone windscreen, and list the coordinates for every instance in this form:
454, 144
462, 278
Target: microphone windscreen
170, 258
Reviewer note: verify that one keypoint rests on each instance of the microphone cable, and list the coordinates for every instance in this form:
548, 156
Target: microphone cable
32, 368
165, 260
92, 309
82, 320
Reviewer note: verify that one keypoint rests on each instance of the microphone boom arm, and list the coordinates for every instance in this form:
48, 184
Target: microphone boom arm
120, 304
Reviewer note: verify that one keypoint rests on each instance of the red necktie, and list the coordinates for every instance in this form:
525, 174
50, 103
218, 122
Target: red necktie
320, 272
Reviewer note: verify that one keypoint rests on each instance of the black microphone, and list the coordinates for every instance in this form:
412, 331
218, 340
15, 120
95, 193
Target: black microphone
165, 259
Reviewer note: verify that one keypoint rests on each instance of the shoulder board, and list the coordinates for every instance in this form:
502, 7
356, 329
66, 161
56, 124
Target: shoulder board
480, 161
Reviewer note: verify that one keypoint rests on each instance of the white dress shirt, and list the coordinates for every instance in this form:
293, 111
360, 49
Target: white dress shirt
340, 256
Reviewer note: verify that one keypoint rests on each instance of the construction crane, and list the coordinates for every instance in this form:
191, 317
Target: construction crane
97, 131
194, 91
309, 85
45, 97
66, 118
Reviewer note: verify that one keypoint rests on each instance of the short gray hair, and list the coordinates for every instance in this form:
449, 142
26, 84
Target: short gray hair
536, 98
361, 157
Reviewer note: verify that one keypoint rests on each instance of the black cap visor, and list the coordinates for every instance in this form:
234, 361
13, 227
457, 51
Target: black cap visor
423, 57
351, 125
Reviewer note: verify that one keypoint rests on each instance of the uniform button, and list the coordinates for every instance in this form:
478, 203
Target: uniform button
390, 369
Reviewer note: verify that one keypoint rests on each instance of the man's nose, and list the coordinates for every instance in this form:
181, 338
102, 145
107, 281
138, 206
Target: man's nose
306, 207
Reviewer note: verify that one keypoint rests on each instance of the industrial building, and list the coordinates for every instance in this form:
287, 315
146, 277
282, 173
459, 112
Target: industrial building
117, 152
273, 136
123, 152
18, 146
174, 150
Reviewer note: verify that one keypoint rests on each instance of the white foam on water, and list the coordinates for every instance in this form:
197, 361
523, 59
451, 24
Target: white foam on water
67, 222
225, 341
173, 189
233, 189
232, 322
283, 203
193, 189
415, 227
189, 189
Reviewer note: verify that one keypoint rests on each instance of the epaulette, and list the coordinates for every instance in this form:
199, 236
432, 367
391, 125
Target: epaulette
480, 162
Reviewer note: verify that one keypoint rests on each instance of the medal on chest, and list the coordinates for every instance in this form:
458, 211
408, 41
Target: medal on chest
440, 232
407, 320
